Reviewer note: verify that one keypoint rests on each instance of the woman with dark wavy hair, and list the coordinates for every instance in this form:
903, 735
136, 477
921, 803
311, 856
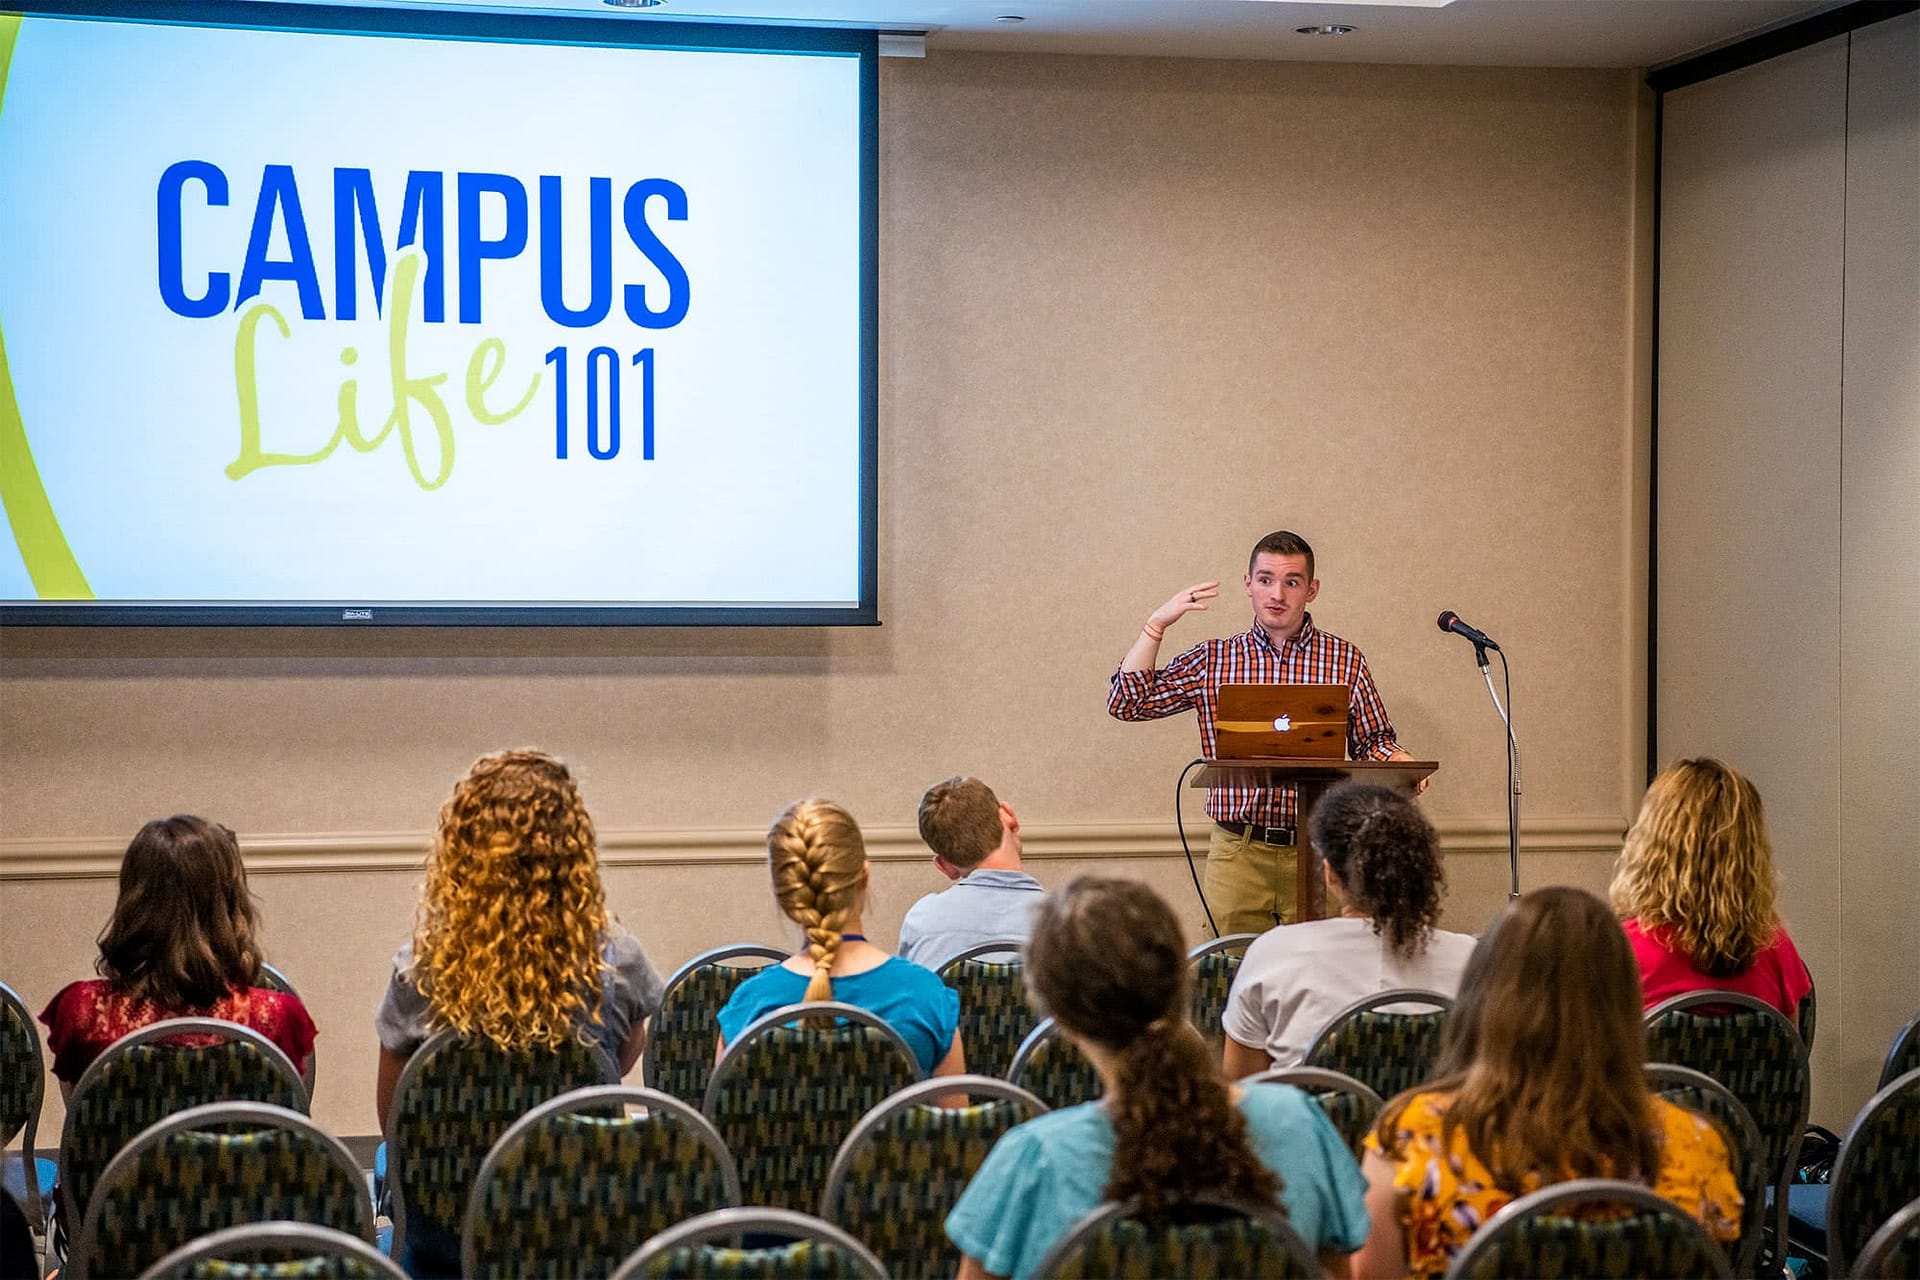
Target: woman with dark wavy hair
1108, 962
1382, 863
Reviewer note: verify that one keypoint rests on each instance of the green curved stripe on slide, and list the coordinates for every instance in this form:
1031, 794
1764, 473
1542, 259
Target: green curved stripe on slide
36, 530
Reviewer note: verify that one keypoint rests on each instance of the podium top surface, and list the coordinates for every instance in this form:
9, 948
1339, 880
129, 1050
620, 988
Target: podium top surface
1399, 774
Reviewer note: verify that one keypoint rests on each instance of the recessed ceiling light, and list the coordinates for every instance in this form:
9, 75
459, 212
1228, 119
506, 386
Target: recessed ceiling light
634, 4
1010, 17
1324, 29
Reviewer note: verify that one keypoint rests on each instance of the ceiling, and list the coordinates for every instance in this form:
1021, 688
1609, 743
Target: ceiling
1585, 33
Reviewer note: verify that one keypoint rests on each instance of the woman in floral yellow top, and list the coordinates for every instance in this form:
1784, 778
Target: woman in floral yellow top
1539, 1081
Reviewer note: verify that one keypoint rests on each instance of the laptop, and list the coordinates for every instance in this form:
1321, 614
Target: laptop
1261, 721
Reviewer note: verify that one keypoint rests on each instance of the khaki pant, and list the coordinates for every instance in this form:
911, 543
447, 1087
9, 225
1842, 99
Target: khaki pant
1249, 885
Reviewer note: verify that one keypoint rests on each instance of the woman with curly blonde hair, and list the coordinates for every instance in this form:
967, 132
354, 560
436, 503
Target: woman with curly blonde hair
513, 941
1694, 890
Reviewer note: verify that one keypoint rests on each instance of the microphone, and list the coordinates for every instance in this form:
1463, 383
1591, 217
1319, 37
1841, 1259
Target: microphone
1450, 621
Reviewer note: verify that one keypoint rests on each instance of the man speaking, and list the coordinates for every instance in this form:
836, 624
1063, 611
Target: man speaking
1252, 847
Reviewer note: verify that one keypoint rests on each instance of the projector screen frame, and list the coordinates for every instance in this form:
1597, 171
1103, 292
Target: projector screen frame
640, 31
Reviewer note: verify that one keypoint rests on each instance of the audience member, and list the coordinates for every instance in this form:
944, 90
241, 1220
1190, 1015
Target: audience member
1382, 862
1108, 962
976, 844
1695, 886
1539, 1081
182, 943
819, 866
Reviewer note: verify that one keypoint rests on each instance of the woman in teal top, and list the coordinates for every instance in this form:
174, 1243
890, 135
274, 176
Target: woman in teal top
819, 866
1107, 960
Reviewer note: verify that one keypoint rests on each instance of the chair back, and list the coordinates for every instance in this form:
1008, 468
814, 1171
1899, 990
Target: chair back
22, 1085
1894, 1251
1350, 1105
1215, 964
1052, 1068
792, 1086
211, 1167
902, 1169
141, 1079
1702, 1094
1635, 1233
1877, 1171
1389, 1052
271, 979
276, 1251
1756, 1052
995, 1016
1904, 1054
1208, 1236
683, 1031
707, 1248
573, 1184
453, 1101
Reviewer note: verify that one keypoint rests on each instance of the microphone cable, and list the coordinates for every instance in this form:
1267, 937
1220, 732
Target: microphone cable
1179, 789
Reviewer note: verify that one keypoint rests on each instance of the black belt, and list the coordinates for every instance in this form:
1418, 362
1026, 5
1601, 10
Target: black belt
1263, 835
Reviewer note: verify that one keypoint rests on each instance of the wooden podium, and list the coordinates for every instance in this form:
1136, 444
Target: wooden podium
1310, 777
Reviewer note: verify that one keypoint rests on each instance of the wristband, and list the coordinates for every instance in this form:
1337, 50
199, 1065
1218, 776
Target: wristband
1155, 636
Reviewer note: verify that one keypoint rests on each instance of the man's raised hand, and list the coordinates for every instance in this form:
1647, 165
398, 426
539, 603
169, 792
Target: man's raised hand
1182, 603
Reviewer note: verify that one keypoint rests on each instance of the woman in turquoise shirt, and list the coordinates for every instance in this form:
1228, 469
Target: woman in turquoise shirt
1108, 962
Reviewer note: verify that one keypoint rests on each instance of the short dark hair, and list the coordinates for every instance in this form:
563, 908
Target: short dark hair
1282, 542
960, 821
183, 928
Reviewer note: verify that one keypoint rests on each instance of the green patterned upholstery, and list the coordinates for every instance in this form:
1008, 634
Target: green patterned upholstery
1214, 965
1388, 1052
1052, 1068
1350, 1105
681, 1036
995, 1015
785, 1096
140, 1081
1706, 1096
452, 1103
1633, 1234
902, 1169
276, 1251
819, 1250
1894, 1251
22, 1081
578, 1183
212, 1167
1197, 1242
1903, 1056
1877, 1171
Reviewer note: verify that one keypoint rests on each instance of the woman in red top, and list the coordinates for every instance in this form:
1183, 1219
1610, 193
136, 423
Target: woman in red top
1694, 890
181, 944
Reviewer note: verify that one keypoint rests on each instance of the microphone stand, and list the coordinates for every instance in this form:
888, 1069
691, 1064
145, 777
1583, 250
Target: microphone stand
1513, 765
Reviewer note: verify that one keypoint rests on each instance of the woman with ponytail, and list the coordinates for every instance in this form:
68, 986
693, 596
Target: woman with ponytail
819, 866
1108, 962
1381, 860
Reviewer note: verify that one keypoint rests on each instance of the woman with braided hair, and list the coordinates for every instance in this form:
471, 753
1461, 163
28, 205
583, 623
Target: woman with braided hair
819, 867
1108, 962
1381, 861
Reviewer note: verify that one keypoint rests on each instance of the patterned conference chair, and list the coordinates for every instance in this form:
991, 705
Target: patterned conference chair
1206, 1237
1903, 1056
454, 1100
213, 1167
1877, 1171
272, 979
1349, 1104
575, 1184
902, 1169
995, 1015
791, 1087
1756, 1052
1214, 965
1894, 1251
707, 1248
141, 1079
1052, 1068
276, 1251
1537, 1235
1706, 1096
1389, 1052
682, 1034
22, 1082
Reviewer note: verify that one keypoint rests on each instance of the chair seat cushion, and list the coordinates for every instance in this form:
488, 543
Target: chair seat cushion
1807, 1211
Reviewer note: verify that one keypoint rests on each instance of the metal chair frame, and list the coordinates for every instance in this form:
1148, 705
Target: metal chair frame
260, 1115
1659, 1075
1373, 1004
1904, 1041
981, 953
731, 1224
274, 980
1838, 1209
222, 1245
36, 1211
1105, 1215
1879, 1249
1517, 1215
1046, 1029
1225, 942
575, 1102
717, 957
767, 1023
920, 1094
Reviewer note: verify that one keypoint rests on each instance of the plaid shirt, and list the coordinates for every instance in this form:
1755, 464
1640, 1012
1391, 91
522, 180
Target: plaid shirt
1193, 680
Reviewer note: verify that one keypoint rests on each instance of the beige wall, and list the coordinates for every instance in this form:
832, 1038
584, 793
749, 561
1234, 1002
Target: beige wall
1135, 313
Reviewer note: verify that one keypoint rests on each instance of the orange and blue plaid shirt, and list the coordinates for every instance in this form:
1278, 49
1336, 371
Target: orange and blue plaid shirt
1193, 680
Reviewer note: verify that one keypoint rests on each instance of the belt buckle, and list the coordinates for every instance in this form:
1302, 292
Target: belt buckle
1274, 835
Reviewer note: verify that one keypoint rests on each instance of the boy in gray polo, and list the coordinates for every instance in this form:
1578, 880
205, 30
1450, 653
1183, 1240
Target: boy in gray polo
976, 844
